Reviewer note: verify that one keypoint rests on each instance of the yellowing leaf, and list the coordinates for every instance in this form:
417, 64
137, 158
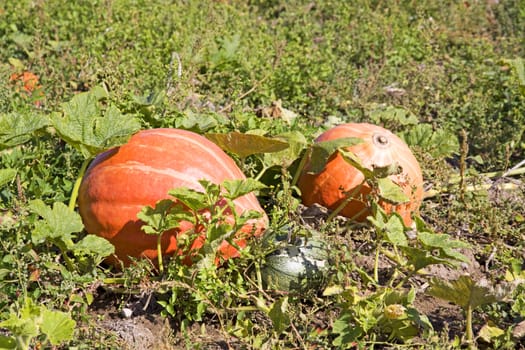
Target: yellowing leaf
245, 145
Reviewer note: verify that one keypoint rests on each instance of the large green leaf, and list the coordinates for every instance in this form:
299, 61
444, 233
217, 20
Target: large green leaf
57, 326
57, 223
245, 145
90, 129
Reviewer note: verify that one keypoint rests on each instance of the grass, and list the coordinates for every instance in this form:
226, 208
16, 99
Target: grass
220, 66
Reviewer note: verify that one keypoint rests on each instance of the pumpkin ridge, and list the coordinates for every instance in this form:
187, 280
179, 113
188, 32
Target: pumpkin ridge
201, 144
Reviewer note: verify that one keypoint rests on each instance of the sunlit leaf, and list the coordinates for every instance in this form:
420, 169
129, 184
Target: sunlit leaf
57, 326
90, 129
162, 217
395, 231
245, 145
58, 222
390, 191
490, 332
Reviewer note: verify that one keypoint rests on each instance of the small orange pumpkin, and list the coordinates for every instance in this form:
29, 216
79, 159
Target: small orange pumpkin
380, 148
121, 181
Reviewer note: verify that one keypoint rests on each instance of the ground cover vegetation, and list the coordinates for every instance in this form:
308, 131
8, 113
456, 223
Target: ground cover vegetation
79, 77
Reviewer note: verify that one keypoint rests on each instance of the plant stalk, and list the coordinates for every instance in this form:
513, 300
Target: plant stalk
74, 193
470, 333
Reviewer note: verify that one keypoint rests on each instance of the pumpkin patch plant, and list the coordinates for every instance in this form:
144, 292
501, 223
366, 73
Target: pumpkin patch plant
366, 161
121, 181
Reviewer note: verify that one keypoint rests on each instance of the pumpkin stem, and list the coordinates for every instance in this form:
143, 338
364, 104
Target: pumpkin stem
380, 140
74, 193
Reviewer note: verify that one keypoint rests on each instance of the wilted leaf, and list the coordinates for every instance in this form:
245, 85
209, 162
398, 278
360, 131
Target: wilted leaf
57, 326
489, 332
322, 151
245, 145
85, 126
17, 128
466, 292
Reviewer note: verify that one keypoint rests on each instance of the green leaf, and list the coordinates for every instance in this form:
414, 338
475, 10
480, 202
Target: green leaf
57, 223
399, 115
7, 343
192, 199
163, 217
94, 245
390, 191
17, 128
421, 258
322, 151
439, 143
244, 145
197, 122
465, 292
446, 245
24, 324
240, 187
57, 326
6, 175
395, 231
279, 315
85, 126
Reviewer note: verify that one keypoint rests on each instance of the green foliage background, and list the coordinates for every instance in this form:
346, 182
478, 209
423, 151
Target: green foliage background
226, 66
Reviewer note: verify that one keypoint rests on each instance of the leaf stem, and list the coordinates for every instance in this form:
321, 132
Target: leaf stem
470, 333
159, 254
301, 166
74, 193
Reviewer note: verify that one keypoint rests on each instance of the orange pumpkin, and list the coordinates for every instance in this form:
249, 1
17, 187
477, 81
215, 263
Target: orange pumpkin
380, 148
121, 181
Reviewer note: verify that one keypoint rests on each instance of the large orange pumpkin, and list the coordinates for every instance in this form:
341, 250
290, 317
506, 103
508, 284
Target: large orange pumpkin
121, 181
380, 148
